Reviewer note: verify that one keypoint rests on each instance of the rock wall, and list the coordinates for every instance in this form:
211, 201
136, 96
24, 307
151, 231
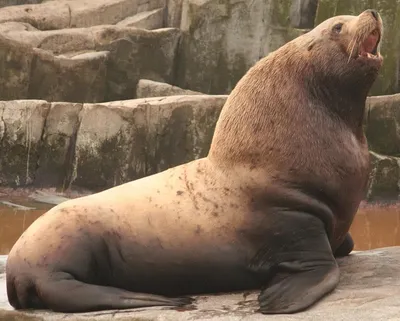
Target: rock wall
70, 71
96, 64
97, 146
204, 46
382, 130
221, 40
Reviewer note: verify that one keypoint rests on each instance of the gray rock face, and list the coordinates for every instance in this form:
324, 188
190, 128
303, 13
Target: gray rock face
141, 54
78, 79
221, 41
7, 3
58, 148
302, 13
383, 135
45, 16
15, 61
369, 289
383, 124
71, 13
174, 13
97, 146
147, 20
149, 88
68, 51
94, 65
21, 128
100, 145
384, 182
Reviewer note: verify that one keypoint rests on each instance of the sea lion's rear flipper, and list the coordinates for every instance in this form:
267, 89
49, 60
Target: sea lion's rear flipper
70, 295
346, 247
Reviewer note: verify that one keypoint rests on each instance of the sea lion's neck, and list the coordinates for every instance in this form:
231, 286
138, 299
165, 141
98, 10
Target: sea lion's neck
272, 105
341, 99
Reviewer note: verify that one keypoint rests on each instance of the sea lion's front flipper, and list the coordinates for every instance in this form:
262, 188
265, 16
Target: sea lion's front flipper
296, 263
298, 286
346, 247
70, 295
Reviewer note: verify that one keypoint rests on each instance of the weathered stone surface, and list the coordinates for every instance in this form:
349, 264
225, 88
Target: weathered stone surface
147, 20
179, 129
140, 54
71, 40
125, 140
110, 146
148, 88
7, 3
12, 26
100, 12
174, 13
56, 41
58, 149
389, 79
78, 79
102, 63
15, 66
383, 124
44, 16
222, 40
98, 146
21, 128
369, 289
384, 182
76, 13
102, 145
148, 5
302, 13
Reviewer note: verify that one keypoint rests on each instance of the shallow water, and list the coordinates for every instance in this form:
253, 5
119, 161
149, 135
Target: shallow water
374, 226
14, 219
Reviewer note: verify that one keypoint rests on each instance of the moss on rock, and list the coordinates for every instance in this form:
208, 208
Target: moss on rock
384, 178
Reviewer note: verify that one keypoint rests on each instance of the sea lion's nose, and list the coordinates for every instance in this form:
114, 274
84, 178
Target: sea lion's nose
374, 13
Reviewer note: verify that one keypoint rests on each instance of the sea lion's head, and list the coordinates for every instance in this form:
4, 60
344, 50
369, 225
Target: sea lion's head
346, 49
330, 68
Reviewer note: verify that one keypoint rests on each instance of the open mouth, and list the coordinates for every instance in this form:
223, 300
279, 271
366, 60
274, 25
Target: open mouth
369, 48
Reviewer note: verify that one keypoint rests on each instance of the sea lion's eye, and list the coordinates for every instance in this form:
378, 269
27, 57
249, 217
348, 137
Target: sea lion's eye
337, 27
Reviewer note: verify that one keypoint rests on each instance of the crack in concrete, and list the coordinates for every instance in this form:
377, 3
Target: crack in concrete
70, 15
3, 128
28, 141
40, 143
71, 158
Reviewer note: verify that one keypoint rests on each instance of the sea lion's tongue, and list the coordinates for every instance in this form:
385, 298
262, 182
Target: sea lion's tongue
370, 43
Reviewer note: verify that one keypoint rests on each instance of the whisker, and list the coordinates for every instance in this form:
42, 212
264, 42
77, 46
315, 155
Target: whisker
352, 49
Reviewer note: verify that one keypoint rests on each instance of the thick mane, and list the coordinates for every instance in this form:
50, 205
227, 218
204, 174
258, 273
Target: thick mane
267, 107
295, 95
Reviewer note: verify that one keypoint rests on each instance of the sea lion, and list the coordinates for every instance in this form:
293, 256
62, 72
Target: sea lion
266, 209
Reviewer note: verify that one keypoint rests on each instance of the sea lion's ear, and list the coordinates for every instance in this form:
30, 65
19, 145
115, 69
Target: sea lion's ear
312, 43
315, 40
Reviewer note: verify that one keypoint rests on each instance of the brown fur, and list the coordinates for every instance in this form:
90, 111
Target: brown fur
296, 118
288, 157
